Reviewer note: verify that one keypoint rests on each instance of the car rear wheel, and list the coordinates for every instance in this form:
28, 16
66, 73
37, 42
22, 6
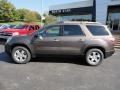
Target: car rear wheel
94, 57
21, 55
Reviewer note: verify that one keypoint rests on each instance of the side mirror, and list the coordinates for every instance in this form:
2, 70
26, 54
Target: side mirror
38, 36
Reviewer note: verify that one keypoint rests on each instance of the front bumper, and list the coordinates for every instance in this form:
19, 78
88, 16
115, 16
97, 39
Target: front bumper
109, 53
7, 49
3, 39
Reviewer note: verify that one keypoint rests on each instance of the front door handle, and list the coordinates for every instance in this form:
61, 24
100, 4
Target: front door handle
56, 40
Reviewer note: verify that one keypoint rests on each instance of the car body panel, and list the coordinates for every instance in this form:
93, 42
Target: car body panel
47, 46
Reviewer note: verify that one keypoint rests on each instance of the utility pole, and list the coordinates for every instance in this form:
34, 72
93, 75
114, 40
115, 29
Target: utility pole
41, 11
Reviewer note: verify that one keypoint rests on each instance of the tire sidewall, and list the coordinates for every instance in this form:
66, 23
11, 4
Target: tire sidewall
94, 50
26, 50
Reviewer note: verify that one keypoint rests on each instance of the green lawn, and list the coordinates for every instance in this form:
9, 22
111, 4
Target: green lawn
18, 22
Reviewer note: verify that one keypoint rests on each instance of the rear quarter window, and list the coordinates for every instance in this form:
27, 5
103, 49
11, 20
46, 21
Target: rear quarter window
97, 30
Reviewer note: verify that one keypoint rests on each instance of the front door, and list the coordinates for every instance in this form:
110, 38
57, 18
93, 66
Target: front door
48, 41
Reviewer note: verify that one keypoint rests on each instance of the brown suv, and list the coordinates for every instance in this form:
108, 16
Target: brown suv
89, 39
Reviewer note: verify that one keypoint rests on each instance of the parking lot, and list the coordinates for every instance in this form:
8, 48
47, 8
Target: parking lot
59, 74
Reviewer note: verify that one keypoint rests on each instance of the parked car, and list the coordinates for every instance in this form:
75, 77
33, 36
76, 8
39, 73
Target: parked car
4, 26
21, 29
88, 39
12, 26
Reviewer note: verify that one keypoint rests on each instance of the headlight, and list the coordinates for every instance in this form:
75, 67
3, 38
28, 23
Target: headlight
9, 39
15, 34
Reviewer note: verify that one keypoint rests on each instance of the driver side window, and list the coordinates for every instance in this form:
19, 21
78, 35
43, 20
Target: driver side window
51, 31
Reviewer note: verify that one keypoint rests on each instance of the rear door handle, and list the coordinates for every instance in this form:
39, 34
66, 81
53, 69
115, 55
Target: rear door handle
81, 39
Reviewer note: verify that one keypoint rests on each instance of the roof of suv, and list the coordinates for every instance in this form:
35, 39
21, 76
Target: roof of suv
79, 22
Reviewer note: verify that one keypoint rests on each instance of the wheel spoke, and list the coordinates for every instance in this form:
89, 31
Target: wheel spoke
90, 56
24, 56
22, 52
18, 52
98, 56
94, 53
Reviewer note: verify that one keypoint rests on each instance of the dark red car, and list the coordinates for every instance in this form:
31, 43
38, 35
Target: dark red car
21, 29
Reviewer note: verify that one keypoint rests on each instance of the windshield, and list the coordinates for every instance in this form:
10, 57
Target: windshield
21, 27
12, 26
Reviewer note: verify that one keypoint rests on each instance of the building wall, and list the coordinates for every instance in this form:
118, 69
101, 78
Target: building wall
114, 2
101, 10
85, 3
76, 18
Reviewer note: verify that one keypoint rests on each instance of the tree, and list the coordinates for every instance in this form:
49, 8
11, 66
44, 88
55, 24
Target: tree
9, 13
49, 19
16, 15
27, 15
21, 13
38, 16
30, 17
6, 10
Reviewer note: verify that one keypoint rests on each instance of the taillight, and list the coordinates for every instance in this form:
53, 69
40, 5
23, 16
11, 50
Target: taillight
15, 33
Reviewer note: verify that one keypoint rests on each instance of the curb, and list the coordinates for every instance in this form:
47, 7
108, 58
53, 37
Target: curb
117, 50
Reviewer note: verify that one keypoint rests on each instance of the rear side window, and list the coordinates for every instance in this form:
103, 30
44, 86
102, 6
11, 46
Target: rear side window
72, 30
31, 28
37, 27
97, 30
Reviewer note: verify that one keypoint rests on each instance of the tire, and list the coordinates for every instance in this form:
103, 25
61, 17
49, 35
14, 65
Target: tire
21, 55
94, 57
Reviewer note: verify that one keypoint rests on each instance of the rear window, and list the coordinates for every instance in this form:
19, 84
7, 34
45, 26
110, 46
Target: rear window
97, 30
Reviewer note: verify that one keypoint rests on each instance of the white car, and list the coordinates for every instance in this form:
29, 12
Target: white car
4, 26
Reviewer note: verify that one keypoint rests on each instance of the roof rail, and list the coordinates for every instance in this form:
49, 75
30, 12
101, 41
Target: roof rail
82, 22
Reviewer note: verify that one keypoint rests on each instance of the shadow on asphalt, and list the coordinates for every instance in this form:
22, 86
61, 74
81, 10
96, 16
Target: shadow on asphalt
49, 59
58, 59
5, 58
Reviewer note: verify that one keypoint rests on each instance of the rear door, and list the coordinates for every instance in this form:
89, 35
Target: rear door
72, 40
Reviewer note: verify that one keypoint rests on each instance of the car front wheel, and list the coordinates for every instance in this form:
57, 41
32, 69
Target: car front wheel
21, 55
94, 57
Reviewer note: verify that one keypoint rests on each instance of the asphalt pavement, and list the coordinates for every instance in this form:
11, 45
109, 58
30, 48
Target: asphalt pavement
55, 73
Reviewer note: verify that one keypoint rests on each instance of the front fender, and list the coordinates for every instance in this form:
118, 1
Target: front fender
20, 41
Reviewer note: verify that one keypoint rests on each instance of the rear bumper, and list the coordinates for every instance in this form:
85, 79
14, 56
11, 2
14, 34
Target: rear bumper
109, 53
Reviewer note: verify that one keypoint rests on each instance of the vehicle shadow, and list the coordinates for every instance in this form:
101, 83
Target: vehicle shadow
59, 59
5, 58
48, 59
